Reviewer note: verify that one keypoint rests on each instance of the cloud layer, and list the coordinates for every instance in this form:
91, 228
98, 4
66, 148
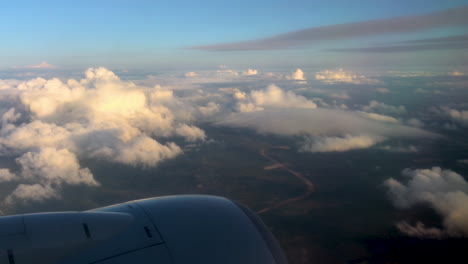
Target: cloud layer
324, 129
138, 123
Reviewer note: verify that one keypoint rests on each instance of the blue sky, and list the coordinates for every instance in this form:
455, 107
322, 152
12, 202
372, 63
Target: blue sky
155, 33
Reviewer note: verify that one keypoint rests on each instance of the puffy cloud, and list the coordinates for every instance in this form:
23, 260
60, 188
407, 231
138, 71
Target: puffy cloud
335, 76
34, 192
191, 133
250, 72
341, 76
101, 74
8, 117
45, 172
459, 116
384, 108
53, 123
145, 151
271, 97
335, 144
191, 74
297, 75
6, 175
33, 135
50, 166
209, 109
239, 95
444, 190
42, 97
7, 84
65, 112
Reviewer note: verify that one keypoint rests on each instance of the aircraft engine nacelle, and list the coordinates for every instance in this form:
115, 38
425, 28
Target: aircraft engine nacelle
165, 230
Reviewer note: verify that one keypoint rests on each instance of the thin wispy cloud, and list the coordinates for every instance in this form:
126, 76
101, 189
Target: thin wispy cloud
42, 65
449, 39
406, 24
442, 43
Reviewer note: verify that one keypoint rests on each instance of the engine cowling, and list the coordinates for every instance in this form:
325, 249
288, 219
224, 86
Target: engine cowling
164, 230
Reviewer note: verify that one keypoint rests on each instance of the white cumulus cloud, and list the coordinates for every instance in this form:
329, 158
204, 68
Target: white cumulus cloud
297, 75
45, 172
32, 192
98, 116
145, 151
191, 133
444, 190
6, 175
271, 97
459, 116
250, 72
